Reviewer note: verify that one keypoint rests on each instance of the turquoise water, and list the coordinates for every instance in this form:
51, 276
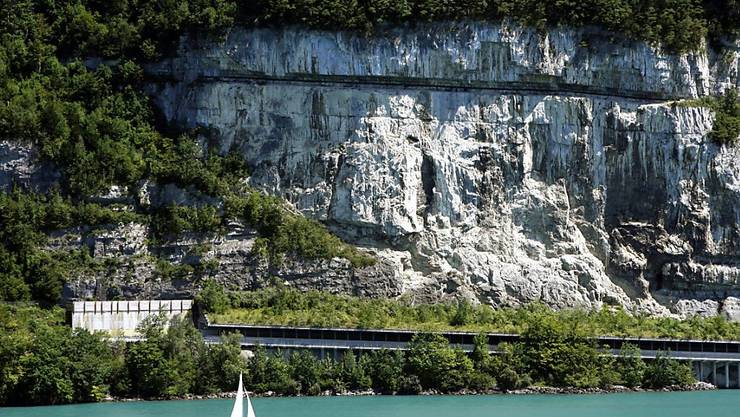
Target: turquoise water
715, 404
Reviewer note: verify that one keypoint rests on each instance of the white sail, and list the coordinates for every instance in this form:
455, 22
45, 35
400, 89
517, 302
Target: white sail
250, 410
239, 402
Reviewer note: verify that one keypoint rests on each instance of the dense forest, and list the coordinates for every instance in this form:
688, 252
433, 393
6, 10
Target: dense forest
43, 361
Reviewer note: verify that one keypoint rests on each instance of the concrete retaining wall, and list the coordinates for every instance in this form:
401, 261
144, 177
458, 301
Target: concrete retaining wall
120, 318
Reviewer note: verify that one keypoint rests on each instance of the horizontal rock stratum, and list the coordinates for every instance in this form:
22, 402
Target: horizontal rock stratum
488, 161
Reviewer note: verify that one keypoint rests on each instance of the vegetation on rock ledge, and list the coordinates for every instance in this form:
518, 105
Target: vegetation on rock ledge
726, 128
290, 307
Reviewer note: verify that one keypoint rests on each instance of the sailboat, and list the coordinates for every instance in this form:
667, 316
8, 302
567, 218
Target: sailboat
238, 410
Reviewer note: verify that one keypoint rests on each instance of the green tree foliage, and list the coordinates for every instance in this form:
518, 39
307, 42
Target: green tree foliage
562, 357
212, 298
726, 127
25, 270
665, 371
284, 232
630, 366
351, 374
220, 365
271, 373
509, 367
679, 25
463, 314
482, 377
385, 370
306, 370
44, 362
437, 364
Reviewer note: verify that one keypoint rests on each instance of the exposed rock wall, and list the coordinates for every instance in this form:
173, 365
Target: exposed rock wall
129, 267
476, 160
486, 160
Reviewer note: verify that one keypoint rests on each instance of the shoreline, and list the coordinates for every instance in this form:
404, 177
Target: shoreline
537, 390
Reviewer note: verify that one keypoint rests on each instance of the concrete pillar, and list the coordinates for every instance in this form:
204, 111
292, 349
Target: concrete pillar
714, 373
738, 375
701, 371
727, 375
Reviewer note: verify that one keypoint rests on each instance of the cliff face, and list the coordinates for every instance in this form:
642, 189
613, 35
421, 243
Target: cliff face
486, 160
475, 160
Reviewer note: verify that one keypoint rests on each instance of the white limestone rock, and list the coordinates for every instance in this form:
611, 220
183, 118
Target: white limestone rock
484, 160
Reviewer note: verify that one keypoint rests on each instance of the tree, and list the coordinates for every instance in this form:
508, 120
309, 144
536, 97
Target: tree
147, 367
726, 127
385, 368
508, 367
92, 366
44, 379
463, 314
481, 355
271, 373
305, 369
665, 371
352, 373
630, 366
436, 364
221, 365
212, 298
560, 356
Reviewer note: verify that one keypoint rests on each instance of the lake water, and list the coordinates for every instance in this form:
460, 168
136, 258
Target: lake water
680, 404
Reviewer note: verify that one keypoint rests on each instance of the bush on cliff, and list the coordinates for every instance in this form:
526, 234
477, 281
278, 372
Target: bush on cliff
726, 128
28, 272
285, 232
212, 298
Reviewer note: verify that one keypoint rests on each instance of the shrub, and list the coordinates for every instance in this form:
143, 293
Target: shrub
508, 368
386, 371
631, 367
665, 371
436, 364
726, 126
212, 298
